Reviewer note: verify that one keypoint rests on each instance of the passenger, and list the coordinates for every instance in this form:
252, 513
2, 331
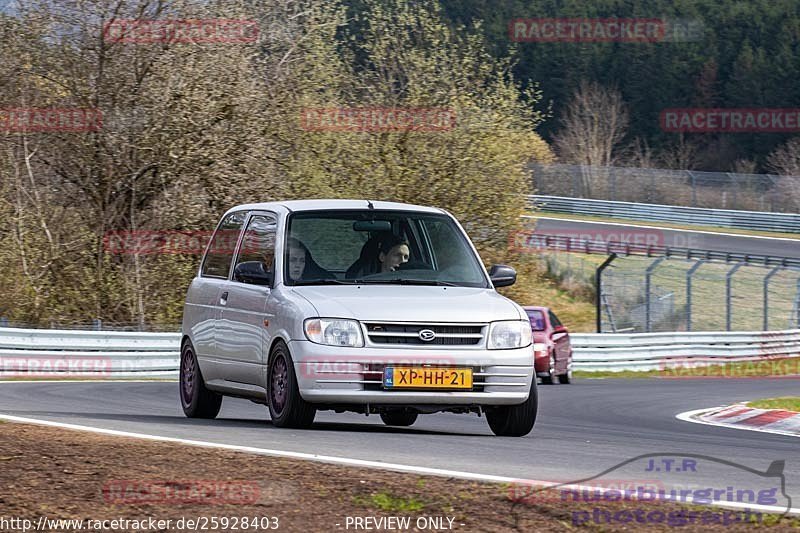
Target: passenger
297, 259
393, 251
302, 265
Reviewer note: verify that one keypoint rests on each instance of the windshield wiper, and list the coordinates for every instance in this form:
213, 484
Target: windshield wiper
325, 282
404, 281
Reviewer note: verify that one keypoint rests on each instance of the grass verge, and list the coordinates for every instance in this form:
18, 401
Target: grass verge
789, 403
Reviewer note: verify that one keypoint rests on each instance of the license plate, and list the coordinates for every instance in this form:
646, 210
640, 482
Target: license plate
427, 378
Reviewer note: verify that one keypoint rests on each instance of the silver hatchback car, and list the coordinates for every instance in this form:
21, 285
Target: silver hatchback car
354, 305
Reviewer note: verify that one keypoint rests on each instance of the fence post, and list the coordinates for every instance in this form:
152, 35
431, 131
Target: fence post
768, 277
689, 274
97, 323
648, 323
613, 176
796, 306
598, 281
728, 280
694, 188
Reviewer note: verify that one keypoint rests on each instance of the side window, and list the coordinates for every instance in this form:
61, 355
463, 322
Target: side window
554, 321
217, 262
258, 243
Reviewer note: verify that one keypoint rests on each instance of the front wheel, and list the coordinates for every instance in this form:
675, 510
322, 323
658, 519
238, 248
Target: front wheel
399, 418
196, 400
514, 420
286, 408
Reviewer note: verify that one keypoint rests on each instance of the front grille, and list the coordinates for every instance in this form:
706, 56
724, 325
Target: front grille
445, 334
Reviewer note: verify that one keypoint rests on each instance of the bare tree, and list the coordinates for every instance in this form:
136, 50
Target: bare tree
593, 127
785, 161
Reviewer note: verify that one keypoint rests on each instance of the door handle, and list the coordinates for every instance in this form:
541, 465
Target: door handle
223, 299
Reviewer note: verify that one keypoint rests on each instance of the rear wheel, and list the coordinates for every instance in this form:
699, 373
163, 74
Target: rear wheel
566, 378
286, 407
514, 420
196, 400
399, 418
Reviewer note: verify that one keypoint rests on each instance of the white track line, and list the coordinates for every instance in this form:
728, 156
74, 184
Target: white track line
363, 463
787, 239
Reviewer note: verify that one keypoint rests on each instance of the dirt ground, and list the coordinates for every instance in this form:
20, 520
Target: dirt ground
49, 474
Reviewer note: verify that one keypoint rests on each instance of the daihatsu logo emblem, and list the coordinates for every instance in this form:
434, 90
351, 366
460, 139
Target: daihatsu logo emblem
426, 335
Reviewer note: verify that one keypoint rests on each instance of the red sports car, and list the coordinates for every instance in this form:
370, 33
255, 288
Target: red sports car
551, 346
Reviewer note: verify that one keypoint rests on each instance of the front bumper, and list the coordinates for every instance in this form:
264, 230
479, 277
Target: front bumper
337, 375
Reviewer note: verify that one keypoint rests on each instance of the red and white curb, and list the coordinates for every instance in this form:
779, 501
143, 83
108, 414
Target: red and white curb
739, 416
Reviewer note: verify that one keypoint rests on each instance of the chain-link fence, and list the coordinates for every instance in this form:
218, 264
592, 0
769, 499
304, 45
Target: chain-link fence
642, 294
716, 190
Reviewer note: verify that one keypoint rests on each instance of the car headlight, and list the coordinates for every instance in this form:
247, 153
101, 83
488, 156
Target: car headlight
334, 332
509, 334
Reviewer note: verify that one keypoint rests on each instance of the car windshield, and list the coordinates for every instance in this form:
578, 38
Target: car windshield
379, 247
537, 320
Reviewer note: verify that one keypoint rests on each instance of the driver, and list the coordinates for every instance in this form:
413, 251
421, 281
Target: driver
393, 251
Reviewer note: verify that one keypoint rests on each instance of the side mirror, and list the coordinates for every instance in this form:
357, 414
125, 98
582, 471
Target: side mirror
252, 272
502, 275
560, 329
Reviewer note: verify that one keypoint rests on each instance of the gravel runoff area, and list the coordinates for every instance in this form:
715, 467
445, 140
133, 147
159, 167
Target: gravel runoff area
125, 484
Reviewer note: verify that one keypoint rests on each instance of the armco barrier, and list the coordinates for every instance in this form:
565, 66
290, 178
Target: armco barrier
125, 354
73, 353
659, 351
725, 218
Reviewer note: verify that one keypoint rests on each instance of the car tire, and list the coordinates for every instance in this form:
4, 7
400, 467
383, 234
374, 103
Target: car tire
514, 420
566, 378
287, 409
399, 418
196, 400
551, 370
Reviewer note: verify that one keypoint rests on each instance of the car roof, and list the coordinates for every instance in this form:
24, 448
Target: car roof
334, 205
534, 308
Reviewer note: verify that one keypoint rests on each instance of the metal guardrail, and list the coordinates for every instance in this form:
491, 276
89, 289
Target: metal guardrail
76, 353
691, 188
726, 218
53, 353
676, 351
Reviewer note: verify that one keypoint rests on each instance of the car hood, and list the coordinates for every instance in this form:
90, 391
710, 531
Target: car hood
410, 303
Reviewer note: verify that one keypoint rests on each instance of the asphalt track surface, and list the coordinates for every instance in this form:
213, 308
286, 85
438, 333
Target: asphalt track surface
582, 430
678, 238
